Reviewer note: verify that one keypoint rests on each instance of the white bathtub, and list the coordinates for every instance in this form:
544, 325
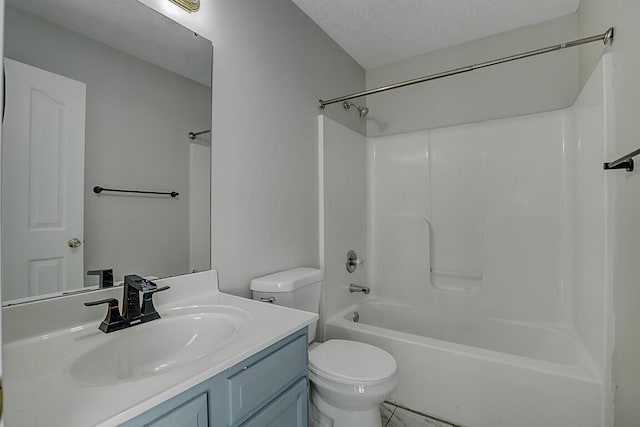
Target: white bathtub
486, 373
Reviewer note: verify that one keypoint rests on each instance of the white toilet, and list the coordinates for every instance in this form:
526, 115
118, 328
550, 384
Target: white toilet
349, 379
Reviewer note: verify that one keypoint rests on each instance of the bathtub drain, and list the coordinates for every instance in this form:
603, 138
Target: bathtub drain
356, 316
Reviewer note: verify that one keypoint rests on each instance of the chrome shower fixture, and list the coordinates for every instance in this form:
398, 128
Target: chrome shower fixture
363, 111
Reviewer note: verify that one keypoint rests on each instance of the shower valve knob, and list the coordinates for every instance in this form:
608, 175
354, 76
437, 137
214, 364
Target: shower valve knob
353, 261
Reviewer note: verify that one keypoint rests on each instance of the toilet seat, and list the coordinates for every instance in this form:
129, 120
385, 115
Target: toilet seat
351, 362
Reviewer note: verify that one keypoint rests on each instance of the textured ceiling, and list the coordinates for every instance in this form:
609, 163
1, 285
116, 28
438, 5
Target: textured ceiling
377, 32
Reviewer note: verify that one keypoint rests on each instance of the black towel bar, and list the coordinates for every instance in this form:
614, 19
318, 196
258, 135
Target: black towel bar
624, 162
97, 189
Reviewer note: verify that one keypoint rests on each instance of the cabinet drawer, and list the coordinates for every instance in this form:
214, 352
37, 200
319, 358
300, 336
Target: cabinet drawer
193, 413
290, 409
188, 409
259, 382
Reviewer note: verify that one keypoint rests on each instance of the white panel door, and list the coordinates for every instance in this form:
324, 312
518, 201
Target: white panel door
42, 182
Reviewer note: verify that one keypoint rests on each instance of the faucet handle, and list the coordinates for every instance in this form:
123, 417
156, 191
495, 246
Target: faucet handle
113, 321
148, 310
147, 286
353, 261
153, 291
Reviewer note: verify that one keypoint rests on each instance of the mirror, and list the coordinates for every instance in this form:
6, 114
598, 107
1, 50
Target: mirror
102, 93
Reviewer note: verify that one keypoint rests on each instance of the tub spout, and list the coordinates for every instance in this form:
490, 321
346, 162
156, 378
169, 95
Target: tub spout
357, 288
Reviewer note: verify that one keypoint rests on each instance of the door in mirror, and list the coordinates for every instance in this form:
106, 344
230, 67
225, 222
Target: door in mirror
42, 182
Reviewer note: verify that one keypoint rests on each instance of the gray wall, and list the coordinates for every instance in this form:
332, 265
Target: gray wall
543, 83
594, 17
135, 138
271, 64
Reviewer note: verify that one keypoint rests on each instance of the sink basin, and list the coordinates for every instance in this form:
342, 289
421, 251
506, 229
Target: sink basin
183, 335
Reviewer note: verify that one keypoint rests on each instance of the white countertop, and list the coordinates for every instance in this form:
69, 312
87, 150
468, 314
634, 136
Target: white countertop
42, 339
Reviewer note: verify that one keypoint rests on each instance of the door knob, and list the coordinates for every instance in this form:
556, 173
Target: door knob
74, 243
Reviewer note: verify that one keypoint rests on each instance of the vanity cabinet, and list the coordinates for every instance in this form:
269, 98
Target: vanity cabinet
194, 413
269, 388
287, 410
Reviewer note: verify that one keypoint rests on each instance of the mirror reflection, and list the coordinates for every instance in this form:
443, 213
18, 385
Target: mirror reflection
102, 93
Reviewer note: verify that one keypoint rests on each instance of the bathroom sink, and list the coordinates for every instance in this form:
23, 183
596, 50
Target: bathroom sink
182, 336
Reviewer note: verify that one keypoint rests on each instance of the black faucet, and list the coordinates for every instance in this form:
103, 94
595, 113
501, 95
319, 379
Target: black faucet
133, 285
132, 313
106, 277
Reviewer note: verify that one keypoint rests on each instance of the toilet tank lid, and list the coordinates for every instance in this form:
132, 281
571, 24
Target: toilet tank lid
287, 281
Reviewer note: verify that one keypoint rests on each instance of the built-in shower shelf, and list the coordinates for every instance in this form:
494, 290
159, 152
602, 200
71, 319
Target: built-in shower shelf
476, 276
456, 281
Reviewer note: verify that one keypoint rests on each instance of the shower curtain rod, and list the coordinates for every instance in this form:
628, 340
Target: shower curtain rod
606, 38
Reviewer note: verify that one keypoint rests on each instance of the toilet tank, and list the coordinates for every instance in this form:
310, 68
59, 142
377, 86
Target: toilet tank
298, 288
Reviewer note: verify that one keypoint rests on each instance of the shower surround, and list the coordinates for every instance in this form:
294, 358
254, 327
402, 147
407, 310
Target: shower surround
487, 258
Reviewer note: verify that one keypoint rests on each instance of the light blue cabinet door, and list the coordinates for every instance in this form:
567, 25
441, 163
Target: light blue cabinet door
263, 380
193, 413
287, 410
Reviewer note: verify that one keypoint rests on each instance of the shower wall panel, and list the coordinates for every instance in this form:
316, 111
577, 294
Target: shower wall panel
593, 201
468, 219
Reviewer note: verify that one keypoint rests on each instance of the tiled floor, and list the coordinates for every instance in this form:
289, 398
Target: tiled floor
392, 416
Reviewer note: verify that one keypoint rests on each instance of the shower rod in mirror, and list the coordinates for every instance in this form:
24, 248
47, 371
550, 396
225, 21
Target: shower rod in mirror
97, 189
606, 38
192, 135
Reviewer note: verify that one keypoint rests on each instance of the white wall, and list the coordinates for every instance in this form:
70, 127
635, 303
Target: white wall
343, 217
542, 83
271, 64
136, 137
594, 16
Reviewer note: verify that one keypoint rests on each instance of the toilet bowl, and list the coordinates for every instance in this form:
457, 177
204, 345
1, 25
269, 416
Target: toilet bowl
349, 379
